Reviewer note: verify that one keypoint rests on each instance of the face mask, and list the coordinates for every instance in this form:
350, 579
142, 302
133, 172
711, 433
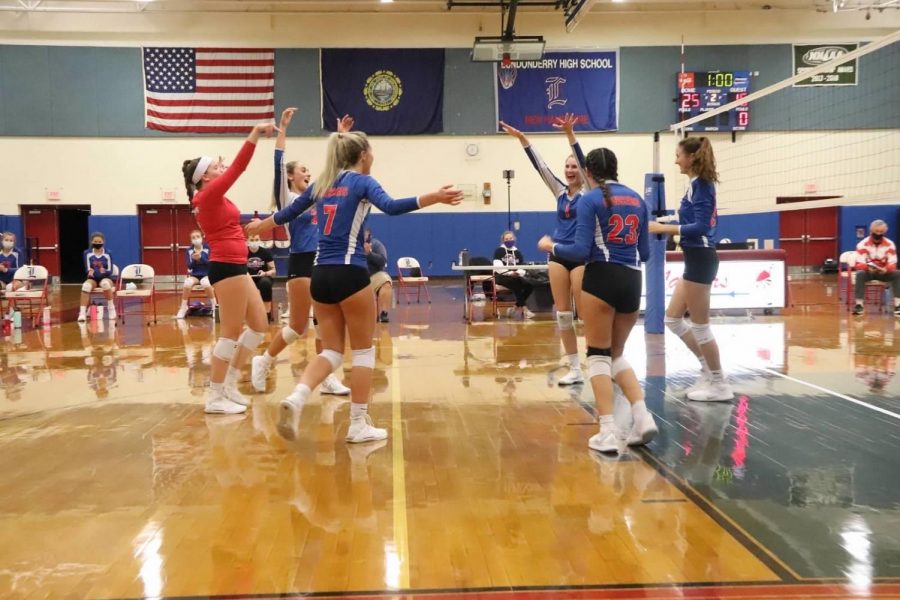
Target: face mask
876, 237
509, 243
97, 246
254, 246
7, 245
197, 241
369, 238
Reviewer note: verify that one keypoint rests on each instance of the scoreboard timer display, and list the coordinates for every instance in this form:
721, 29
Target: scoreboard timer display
703, 91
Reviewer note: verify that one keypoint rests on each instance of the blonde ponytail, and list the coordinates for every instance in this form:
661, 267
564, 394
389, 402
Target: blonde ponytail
343, 151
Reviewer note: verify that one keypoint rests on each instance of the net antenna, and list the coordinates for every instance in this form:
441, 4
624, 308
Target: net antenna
819, 143
574, 11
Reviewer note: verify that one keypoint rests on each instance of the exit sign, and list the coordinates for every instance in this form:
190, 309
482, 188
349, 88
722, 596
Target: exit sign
53, 194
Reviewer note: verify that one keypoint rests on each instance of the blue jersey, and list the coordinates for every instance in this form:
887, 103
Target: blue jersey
198, 268
566, 212
341, 213
303, 229
102, 264
13, 261
697, 215
617, 234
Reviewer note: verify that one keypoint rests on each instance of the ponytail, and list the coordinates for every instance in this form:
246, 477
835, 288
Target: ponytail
187, 169
343, 151
602, 165
703, 163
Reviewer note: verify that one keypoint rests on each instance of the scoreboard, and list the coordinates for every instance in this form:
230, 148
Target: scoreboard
703, 91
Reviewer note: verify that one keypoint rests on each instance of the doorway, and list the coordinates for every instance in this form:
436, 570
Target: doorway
73, 241
809, 236
57, 236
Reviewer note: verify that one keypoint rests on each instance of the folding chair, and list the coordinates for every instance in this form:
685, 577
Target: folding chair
414, 278
33, 294
846, 264
145, 279
97, 291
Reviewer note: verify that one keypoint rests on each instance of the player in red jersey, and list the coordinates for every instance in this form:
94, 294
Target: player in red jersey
207, 180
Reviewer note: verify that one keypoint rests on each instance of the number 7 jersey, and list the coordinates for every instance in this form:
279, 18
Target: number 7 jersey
617, 233
342, 212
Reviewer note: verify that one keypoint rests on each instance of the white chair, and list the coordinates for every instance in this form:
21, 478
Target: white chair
413, 278
144, 278
846, 264
33, 293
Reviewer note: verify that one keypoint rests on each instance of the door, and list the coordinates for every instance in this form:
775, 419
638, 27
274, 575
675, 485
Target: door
821, 235
809, 236
41, 223
158, 248
73, 240
792, 234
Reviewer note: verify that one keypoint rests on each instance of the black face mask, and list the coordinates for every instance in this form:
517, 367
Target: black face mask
97, 246
369, 239
877, 237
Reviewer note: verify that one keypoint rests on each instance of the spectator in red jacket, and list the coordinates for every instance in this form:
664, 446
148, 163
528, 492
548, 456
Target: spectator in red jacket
876, 261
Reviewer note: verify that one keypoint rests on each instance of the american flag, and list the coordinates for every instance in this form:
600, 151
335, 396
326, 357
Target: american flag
208, 90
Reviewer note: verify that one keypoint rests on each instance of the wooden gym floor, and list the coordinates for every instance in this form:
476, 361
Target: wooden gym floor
116, 485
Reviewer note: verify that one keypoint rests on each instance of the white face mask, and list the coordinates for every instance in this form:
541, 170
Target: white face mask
197, 241
254, 246
7, 245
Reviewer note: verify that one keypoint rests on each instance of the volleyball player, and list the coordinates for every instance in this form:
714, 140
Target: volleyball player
565, 276
291, 180
697, 228
198, 271
99, 267
207, 180
340, 288
611, 235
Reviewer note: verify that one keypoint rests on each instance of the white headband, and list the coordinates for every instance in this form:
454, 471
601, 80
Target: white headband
202, 166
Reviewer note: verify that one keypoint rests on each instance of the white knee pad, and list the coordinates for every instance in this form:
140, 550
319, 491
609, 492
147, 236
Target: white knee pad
289, 335
364, 358
619, 364
332, 356
205, 283
703, 333
599, 365
565, 319
224, 349
190, 282
86, 287
251, 339
105, 284
676, 325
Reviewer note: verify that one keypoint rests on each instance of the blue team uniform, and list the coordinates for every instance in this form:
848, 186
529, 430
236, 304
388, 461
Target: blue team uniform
198, 268
341, 214
303, 229
566, 210
13, 261
617, 234
697, 215
97, 262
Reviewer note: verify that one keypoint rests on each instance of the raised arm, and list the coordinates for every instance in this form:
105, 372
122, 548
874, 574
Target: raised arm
567, 124
550, 180
221, 184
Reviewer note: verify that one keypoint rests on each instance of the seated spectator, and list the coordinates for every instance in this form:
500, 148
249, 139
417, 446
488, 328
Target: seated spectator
198, 269
261, 267
876, 261
99, 267
376, 257
507, 255
11, 258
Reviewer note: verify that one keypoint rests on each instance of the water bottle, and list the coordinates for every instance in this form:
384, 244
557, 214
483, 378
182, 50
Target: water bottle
17, 319
93, 312
100, 312
45, 317
464, 257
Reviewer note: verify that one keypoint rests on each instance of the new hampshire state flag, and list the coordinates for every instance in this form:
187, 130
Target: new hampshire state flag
387, 91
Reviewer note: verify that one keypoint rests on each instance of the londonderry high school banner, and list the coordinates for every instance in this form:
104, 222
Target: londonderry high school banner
531, 94
387, 92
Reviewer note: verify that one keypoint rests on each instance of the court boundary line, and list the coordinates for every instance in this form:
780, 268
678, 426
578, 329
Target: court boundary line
826, 390
398, 476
